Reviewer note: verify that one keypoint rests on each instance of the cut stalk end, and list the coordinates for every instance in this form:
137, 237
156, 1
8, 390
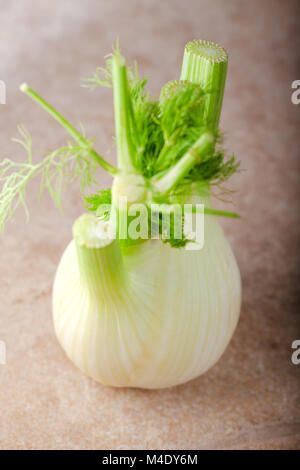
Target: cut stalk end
207, 50
24, 87
91, 232
205, 63
98, 255
170, 88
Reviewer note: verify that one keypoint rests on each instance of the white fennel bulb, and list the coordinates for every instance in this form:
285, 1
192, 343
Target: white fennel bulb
148, 315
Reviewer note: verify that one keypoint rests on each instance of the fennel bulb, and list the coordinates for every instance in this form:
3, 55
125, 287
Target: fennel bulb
151, 312
148, 315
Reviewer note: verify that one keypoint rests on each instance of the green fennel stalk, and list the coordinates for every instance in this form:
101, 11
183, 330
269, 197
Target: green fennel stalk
72, 131
205, 63
169, 143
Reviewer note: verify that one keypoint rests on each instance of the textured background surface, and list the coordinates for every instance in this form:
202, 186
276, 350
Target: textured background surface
250, 399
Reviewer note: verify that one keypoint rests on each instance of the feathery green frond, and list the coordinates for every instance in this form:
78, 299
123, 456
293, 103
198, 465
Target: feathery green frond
214, 170
93, 201
58, 168
100, 78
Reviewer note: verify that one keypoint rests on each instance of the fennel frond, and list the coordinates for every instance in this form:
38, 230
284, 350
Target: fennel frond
57, 168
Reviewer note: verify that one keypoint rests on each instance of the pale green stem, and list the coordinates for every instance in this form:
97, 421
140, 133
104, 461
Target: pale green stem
99, 257
207, 211
123, 115
168, 181
71, 130
205, 63
164, 151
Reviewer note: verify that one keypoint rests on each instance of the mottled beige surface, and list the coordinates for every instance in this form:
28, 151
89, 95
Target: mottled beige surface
250, 399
